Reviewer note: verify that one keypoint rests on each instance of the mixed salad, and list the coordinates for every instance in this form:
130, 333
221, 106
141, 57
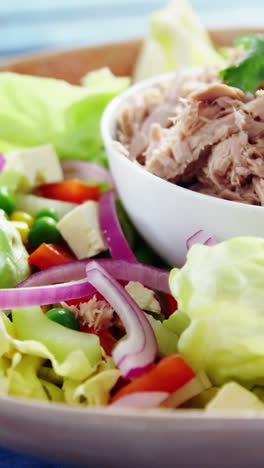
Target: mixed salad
89, 314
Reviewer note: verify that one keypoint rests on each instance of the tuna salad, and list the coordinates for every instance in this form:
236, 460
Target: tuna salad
200, 133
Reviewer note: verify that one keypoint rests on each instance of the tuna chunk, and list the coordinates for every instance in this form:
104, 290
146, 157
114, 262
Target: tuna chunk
216, 90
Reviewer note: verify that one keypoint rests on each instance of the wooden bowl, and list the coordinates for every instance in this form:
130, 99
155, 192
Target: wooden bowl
72, 64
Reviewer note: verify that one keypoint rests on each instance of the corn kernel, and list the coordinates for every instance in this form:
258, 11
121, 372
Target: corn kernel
22, 228
23, 217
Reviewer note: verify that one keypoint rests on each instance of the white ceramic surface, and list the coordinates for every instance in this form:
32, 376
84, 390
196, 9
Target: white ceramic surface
157, 439
165, 214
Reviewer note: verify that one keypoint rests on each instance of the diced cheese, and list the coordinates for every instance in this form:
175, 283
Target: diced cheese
232, 397
39, 165
80, 229
144, 297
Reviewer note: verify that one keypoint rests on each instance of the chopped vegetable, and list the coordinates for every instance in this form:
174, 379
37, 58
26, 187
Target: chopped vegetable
200, 237
49, 212
40, 110
176, 39
64, 317
48, 255
111, 229
7, 200
168, 375
44, 230
32, 204
22, 228
138, 351
27, 297
142, 400
221, 290
247, 73
32, 324
107, 340
86, 171
13, 255
22, 216
149, 276
71, 190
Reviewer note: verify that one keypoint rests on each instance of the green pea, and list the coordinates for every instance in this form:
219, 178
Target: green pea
7, 200
63, 317
49, 212
44, 230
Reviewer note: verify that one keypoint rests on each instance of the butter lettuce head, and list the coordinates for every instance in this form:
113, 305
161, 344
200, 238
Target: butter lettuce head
13, 255
176, 39
221, 290
37, 110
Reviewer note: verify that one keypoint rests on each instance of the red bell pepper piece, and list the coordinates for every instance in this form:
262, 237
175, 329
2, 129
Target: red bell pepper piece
47, 255
168, 375
70, 190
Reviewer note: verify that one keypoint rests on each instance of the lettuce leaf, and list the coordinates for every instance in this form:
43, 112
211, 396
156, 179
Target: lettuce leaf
167, 340
13, 255
24, 372
176, 39
229, 271
221, 290
45, 110
95, 391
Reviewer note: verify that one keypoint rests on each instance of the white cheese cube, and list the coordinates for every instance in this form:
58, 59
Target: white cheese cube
233, 396
39, 165
144, 297
80, 229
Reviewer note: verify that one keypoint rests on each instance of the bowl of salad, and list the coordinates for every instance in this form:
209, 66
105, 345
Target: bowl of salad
107, 353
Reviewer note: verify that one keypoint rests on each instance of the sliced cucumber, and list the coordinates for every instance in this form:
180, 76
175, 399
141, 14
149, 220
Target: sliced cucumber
32, 324
32, 204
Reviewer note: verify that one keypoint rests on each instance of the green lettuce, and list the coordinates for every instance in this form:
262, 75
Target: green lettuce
176, 38
13, 255
221, 290
167, 340
45, 110
29, 369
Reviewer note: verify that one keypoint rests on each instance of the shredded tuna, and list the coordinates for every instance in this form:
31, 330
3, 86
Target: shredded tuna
199, 133
95, 314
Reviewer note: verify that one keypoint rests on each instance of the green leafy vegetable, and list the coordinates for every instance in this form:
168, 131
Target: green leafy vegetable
45, 110
24, 371
177, 38
221, 290
248, 72
13, 255
31, 324
166, 339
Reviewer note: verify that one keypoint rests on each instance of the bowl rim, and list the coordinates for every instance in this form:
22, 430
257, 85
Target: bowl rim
108, 126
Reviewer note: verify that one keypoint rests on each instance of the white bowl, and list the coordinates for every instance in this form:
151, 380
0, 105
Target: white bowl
165, 214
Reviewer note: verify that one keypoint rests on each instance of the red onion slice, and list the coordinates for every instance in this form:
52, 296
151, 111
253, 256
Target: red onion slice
138, 351
111, 229
2, 162
143, 400
86, 170
27, 297
200, 237
149, 276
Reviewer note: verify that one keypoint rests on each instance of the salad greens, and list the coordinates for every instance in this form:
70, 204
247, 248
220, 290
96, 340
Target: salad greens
13, 255
221, 290
22, 366
45, 110
176, 39
247, 73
